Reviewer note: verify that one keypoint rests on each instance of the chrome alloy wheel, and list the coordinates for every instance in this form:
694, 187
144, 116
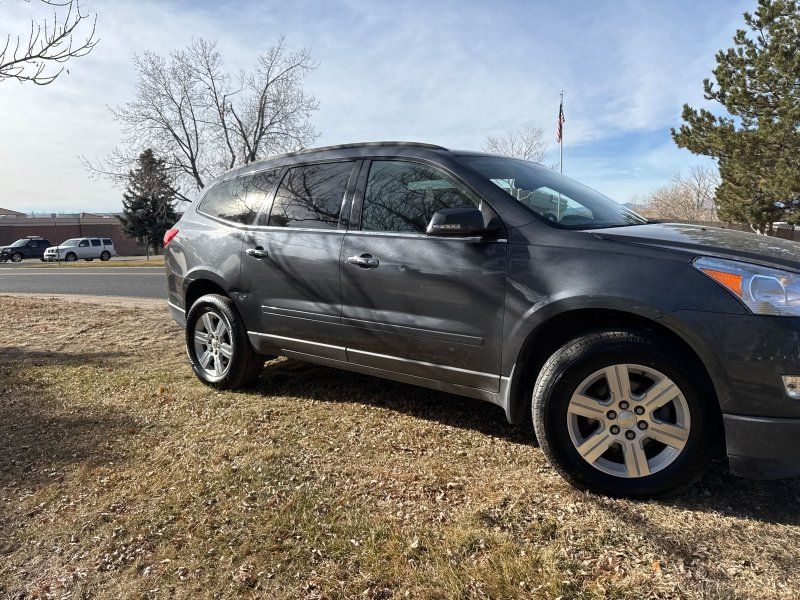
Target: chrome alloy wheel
212, 344
628, 420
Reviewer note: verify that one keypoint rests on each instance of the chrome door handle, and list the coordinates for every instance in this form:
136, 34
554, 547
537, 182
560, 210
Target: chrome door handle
365, 261
257, 252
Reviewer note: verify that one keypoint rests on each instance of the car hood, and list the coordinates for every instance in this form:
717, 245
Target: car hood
710, 241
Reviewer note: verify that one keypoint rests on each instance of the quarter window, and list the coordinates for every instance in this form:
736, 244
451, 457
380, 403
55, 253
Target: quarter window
311, 196
108, 242
402, 196
240, 199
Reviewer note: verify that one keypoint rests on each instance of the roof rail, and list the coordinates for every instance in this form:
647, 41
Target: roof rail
360, 145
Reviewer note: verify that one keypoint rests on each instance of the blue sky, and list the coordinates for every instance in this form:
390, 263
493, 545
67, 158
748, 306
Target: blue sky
443, 72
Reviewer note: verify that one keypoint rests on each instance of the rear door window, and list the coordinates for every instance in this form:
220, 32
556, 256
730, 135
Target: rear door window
311, 196
95, 242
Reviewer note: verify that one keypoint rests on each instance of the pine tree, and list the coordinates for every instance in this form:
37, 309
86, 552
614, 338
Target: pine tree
757, 144
148, 204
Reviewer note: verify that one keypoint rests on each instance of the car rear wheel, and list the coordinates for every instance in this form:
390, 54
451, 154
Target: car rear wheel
105, 255
216, 342
16, 257
71, 257
622, 414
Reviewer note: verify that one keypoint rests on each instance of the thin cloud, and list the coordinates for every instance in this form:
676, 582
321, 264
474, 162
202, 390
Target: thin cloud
449, 73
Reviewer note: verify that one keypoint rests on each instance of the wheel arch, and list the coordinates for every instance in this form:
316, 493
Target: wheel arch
200, 286
552, 333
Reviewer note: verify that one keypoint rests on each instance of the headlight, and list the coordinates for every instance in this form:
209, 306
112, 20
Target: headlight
763, 290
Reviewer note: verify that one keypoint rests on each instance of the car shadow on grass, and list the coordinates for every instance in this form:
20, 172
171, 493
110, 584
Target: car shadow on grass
718, 491
316, 382
45, 434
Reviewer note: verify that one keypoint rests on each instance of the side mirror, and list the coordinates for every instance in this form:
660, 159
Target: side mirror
457, 222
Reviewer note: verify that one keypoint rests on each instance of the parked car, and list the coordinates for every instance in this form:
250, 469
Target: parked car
29, 247
86, 248
634, 348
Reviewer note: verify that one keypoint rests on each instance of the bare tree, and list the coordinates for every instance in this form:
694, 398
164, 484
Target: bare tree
689, 198
204, 121
525, 142
38, 57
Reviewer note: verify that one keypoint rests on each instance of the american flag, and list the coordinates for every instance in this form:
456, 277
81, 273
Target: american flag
560, 126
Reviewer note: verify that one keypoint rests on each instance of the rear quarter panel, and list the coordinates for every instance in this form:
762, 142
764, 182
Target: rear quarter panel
204, 248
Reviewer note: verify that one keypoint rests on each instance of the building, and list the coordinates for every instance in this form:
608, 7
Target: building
15, 225
6, 212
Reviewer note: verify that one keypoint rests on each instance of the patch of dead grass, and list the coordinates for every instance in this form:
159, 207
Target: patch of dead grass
122, 476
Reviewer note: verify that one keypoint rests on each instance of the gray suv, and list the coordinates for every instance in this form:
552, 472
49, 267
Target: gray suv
635, 347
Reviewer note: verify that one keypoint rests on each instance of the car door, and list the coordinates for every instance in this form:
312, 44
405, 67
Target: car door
290, 265
96, 248
83, 250
425, 306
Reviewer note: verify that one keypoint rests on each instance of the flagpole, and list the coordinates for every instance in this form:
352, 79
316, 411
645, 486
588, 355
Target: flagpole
561, 143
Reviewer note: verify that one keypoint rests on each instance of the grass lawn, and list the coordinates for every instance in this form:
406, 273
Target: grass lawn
155, 261
121, 476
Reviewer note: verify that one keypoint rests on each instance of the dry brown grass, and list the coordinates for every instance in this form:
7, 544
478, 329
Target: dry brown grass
154, 261
122, 476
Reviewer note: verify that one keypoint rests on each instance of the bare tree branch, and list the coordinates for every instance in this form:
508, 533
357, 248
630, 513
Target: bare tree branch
525, 142
188, 109
38, 56
686, 198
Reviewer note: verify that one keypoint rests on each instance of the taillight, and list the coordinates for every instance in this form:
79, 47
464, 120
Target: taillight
171, 233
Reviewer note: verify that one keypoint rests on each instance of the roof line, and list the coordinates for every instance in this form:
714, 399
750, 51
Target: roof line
358, 145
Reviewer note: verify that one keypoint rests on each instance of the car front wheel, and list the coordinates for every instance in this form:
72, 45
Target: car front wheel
620, 413
71, 257
16, 257
217, 344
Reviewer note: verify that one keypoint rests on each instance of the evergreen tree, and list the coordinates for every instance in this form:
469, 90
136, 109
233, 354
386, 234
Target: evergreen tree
148, 204
757, 144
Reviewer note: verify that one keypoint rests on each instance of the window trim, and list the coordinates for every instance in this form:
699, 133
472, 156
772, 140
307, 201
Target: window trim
361, 191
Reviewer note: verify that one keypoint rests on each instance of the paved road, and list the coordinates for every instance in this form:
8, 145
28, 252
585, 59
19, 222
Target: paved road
139, 282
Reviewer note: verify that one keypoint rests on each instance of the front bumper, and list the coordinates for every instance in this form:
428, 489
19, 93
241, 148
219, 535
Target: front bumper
762, 448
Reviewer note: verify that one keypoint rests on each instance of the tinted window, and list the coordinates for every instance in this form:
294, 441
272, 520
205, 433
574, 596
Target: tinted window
83, 244
311, 196
239, 199
403, 196
19, 243
95, 242
108, 242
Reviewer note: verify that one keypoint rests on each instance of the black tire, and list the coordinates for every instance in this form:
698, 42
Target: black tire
245, 365
105, 256
16, 257
70, 257
88, 259
580, 358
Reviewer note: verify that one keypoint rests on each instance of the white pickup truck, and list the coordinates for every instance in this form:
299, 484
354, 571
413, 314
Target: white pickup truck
85, 248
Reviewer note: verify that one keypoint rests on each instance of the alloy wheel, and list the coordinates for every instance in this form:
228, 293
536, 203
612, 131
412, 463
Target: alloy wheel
212, 344
628, 420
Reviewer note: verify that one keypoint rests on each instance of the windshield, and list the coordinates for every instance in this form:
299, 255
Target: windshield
72, 242
557, 200
19, 243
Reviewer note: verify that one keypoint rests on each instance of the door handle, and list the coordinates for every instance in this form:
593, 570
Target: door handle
257, 252
365, 261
